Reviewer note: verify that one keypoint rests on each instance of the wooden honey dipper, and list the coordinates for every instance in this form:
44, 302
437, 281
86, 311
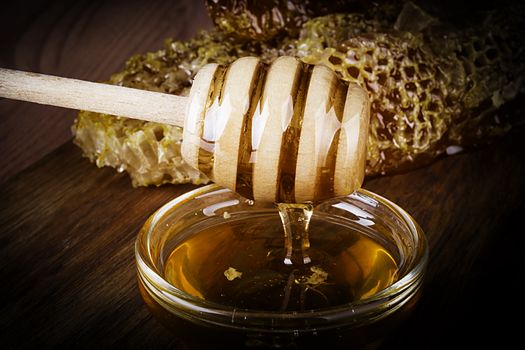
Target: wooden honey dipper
287, 132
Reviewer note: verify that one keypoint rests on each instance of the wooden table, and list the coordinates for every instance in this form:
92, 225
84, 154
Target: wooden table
67, 277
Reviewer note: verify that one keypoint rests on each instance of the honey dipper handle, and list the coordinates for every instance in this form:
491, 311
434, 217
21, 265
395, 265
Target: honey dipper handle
95, 97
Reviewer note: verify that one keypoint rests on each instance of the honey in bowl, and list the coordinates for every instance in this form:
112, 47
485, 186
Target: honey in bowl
211, 262
241, 262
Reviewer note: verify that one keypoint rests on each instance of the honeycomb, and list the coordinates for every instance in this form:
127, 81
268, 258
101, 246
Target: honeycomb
434, 90
430, 95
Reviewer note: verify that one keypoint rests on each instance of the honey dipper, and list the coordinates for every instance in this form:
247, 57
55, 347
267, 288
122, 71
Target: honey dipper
287, 132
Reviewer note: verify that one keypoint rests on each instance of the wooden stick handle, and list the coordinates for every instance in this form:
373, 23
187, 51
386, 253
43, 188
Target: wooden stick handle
95, 97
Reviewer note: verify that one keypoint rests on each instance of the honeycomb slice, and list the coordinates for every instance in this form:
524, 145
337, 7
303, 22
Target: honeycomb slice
149, 152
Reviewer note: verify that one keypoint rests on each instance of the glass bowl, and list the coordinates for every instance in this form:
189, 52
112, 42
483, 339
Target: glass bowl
200, 322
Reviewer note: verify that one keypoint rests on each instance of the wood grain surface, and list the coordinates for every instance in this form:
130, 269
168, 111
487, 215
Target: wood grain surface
67, 272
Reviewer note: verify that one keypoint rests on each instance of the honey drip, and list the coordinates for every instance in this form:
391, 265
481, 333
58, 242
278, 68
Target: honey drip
296, 219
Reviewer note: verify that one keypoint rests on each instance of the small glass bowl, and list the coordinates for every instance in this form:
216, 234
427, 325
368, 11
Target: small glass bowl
359, 324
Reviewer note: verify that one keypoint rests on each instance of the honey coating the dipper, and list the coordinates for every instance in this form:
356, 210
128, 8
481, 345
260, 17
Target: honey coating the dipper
286, 132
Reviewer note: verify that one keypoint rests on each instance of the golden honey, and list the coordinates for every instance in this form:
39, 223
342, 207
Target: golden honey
242, 262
